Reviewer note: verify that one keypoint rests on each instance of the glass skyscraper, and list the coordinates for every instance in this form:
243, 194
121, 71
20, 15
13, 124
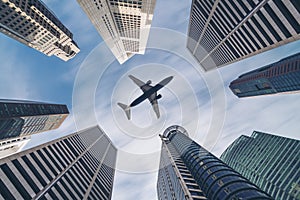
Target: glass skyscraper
188, 171
271, 162
19, 119
222, 32
279, 77
78, 166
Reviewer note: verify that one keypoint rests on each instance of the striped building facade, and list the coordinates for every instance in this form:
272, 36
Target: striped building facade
188, 171
280, 77
124, 25
271, 162
225, 31
78, 166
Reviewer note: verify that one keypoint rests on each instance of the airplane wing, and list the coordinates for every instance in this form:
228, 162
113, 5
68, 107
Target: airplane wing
154, 104
144, 87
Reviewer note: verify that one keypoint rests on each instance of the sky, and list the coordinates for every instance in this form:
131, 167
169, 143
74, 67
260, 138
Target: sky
93, 82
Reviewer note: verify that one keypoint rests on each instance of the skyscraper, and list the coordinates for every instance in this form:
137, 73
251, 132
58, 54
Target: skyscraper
271, 162
188, 171
78, 166
222, 32
124, 25
279, 77
22, 118
12, 145
35, 25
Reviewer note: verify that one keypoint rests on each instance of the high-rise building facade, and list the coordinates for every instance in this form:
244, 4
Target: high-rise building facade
222, 32
271, 162
188, 171
33, 24
124, 25
279, 77
23, 118
78, 166
12, 145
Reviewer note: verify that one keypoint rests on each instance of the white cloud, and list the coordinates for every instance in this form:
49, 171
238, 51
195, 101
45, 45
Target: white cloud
135, 186
274, 114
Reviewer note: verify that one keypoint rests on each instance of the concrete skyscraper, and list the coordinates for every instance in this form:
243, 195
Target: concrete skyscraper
222, 32
12, 145
279, 77
20, 118
188, 171
33, 24
124, 25
271, 162
78, 166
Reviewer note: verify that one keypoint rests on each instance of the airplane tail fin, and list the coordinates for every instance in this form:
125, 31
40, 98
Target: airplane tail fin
126, 109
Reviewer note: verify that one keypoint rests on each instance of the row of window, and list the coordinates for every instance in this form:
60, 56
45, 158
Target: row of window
12, 141
40, 7
213, 176
272, 166
168, 183
185, 174
263, 29
128, 25
132, 46
108, 25
42, 166
282, 67
10, 128
197, 23
127, 3
18, 109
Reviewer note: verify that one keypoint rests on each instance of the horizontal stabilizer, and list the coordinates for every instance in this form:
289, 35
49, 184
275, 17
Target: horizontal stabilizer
126, 109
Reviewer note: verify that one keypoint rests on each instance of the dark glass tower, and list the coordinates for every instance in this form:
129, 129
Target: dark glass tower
222, 32
271, 162
279, 77
188, 171
22, 118
78, 166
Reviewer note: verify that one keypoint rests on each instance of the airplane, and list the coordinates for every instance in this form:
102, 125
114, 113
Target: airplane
150, 93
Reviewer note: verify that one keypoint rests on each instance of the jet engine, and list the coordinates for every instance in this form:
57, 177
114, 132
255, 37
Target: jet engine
149, 82
159, 96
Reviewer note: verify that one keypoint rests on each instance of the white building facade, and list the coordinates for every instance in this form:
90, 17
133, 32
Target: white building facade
124, 25
12, 145
33, 24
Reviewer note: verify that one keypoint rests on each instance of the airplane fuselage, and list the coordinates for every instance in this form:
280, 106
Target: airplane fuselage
151, 91
144, 96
